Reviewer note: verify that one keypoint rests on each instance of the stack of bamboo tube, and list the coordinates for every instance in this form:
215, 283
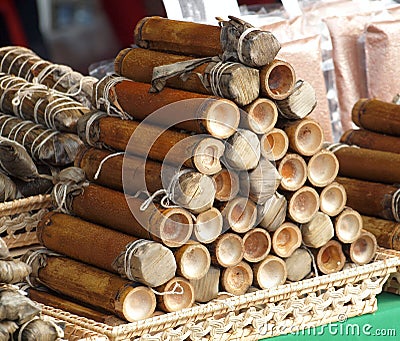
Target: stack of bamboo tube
248, 193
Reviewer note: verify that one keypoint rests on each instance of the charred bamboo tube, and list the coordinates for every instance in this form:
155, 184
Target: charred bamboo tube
293, 170
144, 140
193, 260
242, 150
318, 231
370, 140
227, 185
363, 249
306, 136
240, 214
97, 287
372, 198
270, 273
173, 226
182, 109
175, 295
366, 164
234, 81
376, 115
272, 214
152, 264
257, 245
237, 39
277, 79
330, 258
58, 302
208, 226
237, 279
303, 204
298, 265
32, 102
286, 239
322, 168
274, 144
227, 250
207, 287
386, 232
333, 198
259, 116
300, 103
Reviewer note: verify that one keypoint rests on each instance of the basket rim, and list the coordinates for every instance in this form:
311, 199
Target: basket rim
17, 206
388, 262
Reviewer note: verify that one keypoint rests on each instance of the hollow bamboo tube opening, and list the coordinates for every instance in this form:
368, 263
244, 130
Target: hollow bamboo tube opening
240, 214
293, 170
227, 185
306, 136
277, 79
348, 225
303, 205
257, 245
208, 226
130, 308
207, 154
286, 239
270, 273
322, 168
318, 231
193, 261
260, 116
333, 199
237, 279
273, 213
222, 118
228, 250
177, 294
274, 144
330, 257
363, 249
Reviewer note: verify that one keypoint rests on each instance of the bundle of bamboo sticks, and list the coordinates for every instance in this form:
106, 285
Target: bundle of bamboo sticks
222, 167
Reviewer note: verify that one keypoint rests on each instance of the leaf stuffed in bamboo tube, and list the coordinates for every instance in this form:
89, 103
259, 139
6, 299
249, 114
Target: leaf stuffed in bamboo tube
348, 225
286, 239
7, 329
13, 271
8, 189
259, 116
333, 198
274, 144
293, 170
40, 329
237, 279
270, 273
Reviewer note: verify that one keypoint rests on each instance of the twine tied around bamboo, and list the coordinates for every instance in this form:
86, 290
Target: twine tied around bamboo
314, 263
396, 205
240, 42
177, 289
130, 251
97, 174
89, 133
334, 147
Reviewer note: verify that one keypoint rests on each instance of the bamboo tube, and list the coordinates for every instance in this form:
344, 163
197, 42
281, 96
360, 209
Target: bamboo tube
40, 329
376, 115
293, 170
386, 232
144, 140
207, 287
62, 303
303, 204
286, 239
272, 214
227, 185
259, 116
258, 47
370, 140
103, 206
97, 287
152, 264
322, 168
270, 273
240, 214
257, 245
277, 79
208, 226
237, 279
306, 136
242, 150
298, 265
227, 250
300, 103
371, 198
348, 225
363, 249
366, 164
175, 295
274, 144
330, 257
236, 81
260, 183
333, 198
182, 109
193, 260
318, 231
